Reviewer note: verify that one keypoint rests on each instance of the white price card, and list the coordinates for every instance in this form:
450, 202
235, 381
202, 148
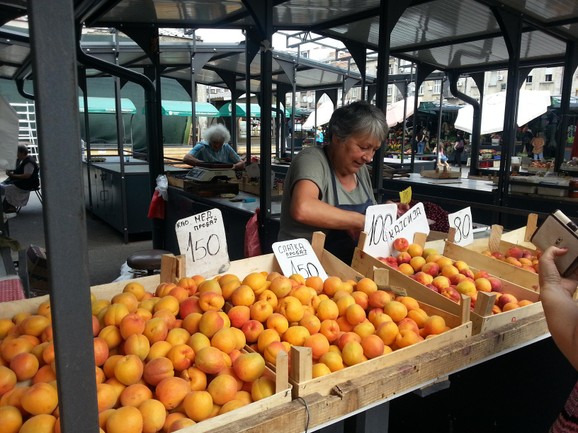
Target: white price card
378, 219
462, 222
203, 242
406, 226
296, 256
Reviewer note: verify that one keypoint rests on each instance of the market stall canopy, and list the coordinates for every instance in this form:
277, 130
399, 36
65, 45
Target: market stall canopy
400, 111
97, 104
324, 112
531, 105
225, 110
184, 108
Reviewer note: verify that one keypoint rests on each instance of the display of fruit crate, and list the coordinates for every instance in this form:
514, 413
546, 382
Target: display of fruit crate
150, 283
482, 317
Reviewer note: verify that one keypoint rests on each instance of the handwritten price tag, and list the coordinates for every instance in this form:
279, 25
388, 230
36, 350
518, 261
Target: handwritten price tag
296, 256
203, 242
406, 226
378, 219
462, 222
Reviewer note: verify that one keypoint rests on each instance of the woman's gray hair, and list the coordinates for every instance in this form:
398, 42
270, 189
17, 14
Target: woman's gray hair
218, 132
358, 118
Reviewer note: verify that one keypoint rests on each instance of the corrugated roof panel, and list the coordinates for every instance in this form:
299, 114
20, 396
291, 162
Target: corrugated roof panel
539, 44
307, 13
547, 10
201, 12
13, 54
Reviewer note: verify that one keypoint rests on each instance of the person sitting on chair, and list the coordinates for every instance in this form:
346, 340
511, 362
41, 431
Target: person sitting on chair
15, 190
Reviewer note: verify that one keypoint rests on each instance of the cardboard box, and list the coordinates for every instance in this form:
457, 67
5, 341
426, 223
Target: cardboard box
37, 268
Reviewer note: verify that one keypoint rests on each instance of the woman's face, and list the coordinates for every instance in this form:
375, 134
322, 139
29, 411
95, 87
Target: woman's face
216, 144
355, 151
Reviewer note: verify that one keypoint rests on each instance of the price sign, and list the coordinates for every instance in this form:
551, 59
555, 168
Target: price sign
378, 219
406, 226
203, 242
296, 256
462, 222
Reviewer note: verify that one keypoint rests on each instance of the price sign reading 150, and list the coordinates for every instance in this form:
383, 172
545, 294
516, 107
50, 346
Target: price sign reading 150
202, 240
296, 256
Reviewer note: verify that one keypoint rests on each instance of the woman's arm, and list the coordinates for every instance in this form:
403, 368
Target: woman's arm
560, 309
307, 208
191, 160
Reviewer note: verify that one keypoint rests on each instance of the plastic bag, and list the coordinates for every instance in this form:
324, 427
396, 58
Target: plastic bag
252, 245
160, 195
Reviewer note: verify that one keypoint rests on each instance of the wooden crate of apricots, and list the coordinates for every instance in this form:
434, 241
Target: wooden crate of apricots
342, 328
166, 360
494, 302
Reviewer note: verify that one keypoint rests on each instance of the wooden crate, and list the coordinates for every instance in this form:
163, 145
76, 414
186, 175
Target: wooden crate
106, 291
482, 317
254, 187
500, 241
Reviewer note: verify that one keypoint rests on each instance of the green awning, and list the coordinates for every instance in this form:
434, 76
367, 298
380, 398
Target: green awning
184, 108
98, 104
225, 110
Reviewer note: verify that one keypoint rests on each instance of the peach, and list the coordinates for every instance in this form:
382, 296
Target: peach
400, 244
483, 284
444, 261
407, 323
25, 365
291, 308
249, 366
135, 394
515, 252
330, 328
211, 321
417, 263
403, 257
406, 268
188, 306
278, 322
496, 284
467, 287
389, 261
458, 278
223, 388
296, 335
510, 306
506, 298
431, 268
423, 278
333, 361
40, 398
319, 345
156, 329
261, 388
372, 345
451, 292
157, 369
211, 301
449, 270
352, 353
198, 405
154, 415
441, 282
171, 391
396, 310
261, 310
252, 328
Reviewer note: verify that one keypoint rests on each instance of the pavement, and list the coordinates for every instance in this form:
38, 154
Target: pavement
107, 251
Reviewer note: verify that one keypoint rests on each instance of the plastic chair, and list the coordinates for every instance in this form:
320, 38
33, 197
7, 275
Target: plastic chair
146, 261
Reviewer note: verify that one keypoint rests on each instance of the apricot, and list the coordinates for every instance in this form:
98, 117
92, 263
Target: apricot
249, 366
25, 366
42, 423
210, 360
296, 335
8, 379
171, 391
319, 345
154, 415
396, 310
352, 353
34, 325
135, 394
157, 369
181, 356
40, 398
261, 388
372, 345
198, 405
11, 419
333, 360
126, 419
222, 388
327, 310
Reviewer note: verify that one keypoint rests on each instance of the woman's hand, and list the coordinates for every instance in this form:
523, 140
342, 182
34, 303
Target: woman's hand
401, 207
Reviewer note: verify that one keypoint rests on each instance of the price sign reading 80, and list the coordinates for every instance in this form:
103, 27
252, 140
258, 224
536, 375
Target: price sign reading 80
297, 257
203, 241
461, 221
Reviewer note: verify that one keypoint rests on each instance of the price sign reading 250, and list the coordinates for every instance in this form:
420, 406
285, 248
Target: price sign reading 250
296, 256
461, 221
203, 241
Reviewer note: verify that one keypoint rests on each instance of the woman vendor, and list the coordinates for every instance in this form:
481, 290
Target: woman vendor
329, 188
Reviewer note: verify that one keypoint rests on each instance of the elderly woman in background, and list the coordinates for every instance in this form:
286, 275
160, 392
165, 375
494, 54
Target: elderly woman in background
214, 148
329, 188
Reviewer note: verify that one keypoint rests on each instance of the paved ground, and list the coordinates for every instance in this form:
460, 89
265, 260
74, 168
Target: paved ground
106, 248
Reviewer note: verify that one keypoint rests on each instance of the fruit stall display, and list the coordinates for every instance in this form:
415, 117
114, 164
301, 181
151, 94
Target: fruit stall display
185, 355
493, 301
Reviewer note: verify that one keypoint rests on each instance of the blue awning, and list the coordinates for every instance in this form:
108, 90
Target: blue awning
98, 104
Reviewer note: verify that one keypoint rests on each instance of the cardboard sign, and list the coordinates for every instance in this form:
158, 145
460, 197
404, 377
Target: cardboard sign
405, 195
203, 242
462, 222
406, 226
378, 219
296, 256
